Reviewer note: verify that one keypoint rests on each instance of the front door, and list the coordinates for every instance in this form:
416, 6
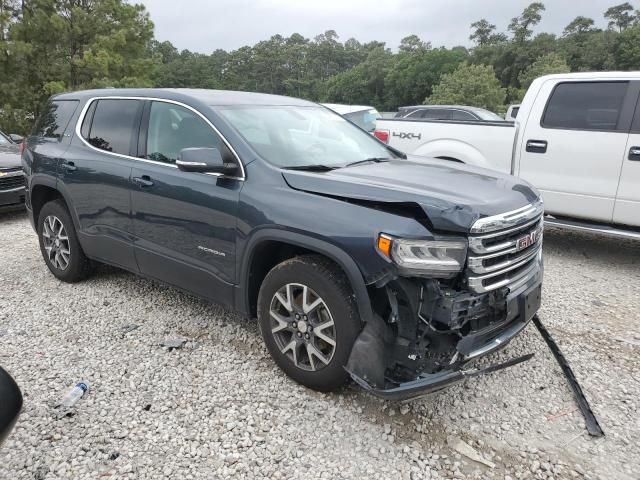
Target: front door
574, 154
184, 222
96, 175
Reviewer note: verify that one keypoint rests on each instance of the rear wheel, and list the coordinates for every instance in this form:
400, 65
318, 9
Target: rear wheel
59, 243
309, 321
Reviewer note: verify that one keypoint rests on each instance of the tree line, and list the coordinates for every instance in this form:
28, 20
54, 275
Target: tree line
51, 46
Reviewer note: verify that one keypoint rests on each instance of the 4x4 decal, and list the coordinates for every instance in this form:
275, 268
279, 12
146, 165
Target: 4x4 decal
407, 135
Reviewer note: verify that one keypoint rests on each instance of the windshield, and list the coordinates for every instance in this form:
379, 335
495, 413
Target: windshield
365, 119
487, 115
294, 136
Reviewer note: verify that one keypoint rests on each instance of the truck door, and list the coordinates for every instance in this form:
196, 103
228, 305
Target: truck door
573, 144
627, 207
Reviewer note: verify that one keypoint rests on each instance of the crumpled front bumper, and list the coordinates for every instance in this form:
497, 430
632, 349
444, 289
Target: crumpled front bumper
430, 383
522, 306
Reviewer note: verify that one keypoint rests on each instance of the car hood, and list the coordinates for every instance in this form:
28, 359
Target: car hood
453, 195
9, 156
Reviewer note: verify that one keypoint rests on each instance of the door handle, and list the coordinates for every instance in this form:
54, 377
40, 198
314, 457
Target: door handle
69, 166
143, 181
536, 146
634, 154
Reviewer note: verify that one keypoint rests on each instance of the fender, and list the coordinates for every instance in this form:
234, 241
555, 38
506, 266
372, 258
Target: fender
320, 246
453, 148
52, 182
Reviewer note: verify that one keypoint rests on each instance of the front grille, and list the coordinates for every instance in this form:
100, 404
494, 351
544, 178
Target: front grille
11, 182
505, 250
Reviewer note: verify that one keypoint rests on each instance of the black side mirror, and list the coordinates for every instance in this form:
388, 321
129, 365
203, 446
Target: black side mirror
15, 138
201, 159
10, 404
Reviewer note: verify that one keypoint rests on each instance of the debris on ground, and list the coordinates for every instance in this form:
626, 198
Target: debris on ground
173, 343
467, 450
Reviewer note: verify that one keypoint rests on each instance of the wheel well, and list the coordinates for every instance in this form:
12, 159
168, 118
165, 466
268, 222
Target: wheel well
265, 256
451, 159
40, 195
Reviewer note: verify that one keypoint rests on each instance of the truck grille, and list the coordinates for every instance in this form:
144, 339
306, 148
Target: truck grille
11, 181
505, 250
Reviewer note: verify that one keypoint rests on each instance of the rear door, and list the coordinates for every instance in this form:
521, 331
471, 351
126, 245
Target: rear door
185, 222
573, 146
95, 174
627, 207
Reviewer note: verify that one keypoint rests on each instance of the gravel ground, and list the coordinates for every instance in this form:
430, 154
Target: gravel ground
219, 408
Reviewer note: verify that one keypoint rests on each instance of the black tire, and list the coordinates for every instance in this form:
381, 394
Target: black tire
329, 283
78, 266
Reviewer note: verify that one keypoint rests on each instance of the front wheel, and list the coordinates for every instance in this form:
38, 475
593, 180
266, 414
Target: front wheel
59, 243
309, 320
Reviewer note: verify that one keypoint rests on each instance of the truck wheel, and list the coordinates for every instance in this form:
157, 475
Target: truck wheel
59, 243
309, 321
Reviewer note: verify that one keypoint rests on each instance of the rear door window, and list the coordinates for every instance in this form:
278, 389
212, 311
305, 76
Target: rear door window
462, 115
55, 118
437, 114
113, 125
585, 106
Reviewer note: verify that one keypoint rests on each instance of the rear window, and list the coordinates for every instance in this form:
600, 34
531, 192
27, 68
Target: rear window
112, 125
53, 122
585, 106
365, 119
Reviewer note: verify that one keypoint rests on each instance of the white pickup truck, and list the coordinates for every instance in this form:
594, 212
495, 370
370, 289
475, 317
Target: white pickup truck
576, 138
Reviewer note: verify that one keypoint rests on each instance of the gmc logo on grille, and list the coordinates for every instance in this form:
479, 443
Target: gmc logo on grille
527, 240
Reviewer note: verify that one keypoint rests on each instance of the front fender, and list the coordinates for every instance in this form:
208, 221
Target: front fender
320, 246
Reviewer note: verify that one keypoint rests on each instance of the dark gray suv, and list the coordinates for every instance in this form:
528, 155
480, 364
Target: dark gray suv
357, 259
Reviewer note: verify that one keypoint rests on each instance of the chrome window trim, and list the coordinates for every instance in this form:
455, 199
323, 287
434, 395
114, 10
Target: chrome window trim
86, 106
508, 219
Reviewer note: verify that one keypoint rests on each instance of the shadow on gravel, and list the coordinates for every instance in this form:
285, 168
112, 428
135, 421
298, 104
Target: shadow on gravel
596, 249
12, 215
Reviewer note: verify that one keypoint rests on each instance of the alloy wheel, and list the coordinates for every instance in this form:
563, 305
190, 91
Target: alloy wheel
56, 242
302, 327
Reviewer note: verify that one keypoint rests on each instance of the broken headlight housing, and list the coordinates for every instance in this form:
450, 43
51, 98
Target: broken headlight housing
427, 258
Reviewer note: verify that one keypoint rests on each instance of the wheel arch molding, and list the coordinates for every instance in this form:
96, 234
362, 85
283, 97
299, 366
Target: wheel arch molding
244, 298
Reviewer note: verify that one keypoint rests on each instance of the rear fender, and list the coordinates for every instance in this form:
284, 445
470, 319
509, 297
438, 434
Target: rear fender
453, 149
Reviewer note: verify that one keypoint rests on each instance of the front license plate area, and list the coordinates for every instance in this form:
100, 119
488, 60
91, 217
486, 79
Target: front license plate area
532, 301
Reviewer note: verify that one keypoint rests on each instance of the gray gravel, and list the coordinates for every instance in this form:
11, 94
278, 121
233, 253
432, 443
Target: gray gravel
217, 407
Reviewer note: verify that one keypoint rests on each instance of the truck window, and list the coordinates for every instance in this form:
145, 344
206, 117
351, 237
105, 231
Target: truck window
585, 106
461, 115
172, 128
112, 125
54, 119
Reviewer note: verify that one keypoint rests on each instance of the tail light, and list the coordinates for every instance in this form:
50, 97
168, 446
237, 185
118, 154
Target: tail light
23, 146
382, 135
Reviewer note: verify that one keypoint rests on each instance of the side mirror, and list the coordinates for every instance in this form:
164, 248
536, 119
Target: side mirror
10, 404
15, 138
205, 160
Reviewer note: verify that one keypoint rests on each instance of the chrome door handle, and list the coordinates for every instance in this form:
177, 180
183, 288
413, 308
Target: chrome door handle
634, 154
143, 181
536, 146
69, 166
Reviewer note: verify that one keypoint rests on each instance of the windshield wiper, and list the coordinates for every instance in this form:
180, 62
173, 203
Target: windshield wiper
368, 160
312, 168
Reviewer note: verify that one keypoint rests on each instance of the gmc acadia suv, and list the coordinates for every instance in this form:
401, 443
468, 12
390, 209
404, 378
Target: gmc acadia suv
356, 259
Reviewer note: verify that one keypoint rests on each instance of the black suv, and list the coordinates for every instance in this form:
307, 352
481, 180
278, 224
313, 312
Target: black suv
356, 259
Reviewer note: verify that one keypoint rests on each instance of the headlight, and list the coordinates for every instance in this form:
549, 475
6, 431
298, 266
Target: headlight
432, 258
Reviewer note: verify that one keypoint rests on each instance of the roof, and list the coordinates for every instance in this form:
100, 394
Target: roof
344, 109
209, 97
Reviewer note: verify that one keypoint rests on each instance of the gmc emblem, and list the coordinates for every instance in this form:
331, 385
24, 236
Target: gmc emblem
527, 240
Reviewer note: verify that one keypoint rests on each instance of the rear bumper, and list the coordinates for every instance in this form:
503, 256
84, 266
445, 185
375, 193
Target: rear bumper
12, 199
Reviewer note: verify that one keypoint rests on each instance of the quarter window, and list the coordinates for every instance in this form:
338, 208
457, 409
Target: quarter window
172, 128
585, 106
113, 125
55, 118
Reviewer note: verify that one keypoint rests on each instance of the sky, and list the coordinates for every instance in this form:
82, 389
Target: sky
206, 25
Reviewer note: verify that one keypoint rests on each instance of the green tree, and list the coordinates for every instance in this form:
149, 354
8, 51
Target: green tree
483, 33
627, 49
620, 16
522, 27
474, 85
579, 26
545, 65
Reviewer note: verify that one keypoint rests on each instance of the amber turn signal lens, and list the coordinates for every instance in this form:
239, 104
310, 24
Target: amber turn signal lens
384, 245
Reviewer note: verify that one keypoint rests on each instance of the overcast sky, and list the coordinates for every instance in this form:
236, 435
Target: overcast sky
205, 25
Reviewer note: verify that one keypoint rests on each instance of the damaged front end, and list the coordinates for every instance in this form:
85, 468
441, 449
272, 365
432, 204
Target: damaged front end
425, 331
